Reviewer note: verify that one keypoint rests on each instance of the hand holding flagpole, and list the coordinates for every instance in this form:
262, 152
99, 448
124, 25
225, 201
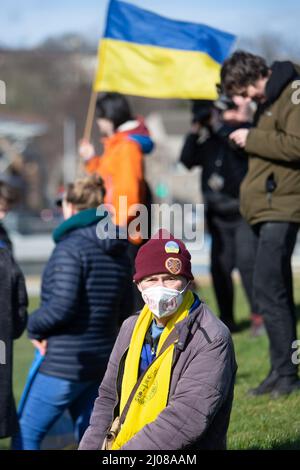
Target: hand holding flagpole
86, 149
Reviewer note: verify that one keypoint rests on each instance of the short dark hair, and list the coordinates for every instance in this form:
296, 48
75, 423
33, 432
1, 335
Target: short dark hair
240, 70
115, 107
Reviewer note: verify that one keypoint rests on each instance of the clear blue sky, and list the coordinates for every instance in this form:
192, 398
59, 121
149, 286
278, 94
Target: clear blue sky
24, 23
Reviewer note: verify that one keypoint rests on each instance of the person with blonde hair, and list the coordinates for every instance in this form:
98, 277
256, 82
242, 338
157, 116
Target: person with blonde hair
85, 296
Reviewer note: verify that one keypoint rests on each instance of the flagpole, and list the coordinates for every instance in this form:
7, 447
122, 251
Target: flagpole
90, 116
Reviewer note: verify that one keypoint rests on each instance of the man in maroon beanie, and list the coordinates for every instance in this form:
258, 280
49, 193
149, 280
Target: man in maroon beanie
170, 378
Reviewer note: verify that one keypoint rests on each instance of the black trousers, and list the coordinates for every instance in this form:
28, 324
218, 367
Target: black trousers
273, 290
233, 246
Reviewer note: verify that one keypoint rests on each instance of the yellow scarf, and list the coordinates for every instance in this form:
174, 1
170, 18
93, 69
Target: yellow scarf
152, 394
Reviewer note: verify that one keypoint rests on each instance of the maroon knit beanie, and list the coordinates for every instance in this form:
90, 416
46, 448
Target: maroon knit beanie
163, 254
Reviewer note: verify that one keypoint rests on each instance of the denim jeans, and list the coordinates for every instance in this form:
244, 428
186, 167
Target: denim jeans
273, 290
49, 397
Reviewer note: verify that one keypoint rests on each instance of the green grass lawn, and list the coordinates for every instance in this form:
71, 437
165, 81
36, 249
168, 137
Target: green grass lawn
256, 423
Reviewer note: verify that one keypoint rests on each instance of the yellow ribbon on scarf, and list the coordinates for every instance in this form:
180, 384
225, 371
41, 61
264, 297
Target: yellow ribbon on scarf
152, 394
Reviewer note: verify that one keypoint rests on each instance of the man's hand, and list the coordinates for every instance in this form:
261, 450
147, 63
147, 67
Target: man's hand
239, 137
85, 149
40, 345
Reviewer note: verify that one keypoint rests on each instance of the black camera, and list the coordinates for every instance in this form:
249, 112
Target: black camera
201, 111
223, 103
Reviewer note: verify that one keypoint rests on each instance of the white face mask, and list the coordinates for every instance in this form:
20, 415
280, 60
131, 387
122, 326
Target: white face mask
163, 301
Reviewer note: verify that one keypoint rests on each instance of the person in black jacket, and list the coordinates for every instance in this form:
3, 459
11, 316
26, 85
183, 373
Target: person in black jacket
86, 294
13, 318
223, 169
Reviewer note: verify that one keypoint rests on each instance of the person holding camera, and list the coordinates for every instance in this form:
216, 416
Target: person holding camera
270, 200
223, 168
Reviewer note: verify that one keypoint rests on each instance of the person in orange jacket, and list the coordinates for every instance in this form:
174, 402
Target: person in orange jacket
125, 140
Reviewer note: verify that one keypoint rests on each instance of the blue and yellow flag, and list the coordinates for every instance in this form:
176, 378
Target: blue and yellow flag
145, 54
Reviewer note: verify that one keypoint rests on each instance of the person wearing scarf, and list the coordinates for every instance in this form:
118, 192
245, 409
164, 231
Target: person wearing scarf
185, 391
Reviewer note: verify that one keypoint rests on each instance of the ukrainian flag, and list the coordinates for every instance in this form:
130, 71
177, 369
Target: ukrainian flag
148, 55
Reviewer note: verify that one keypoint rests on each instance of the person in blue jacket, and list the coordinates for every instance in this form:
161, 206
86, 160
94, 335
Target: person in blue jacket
86, 294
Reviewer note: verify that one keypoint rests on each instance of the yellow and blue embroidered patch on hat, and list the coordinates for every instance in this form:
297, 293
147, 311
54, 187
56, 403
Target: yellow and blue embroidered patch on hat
172, 247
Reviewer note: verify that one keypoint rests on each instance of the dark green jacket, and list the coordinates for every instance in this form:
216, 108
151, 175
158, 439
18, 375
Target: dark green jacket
271, 188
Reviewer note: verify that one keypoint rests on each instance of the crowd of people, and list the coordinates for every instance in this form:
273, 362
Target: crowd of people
123, 341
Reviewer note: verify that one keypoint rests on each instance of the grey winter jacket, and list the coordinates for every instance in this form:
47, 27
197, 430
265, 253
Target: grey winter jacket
201, 389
